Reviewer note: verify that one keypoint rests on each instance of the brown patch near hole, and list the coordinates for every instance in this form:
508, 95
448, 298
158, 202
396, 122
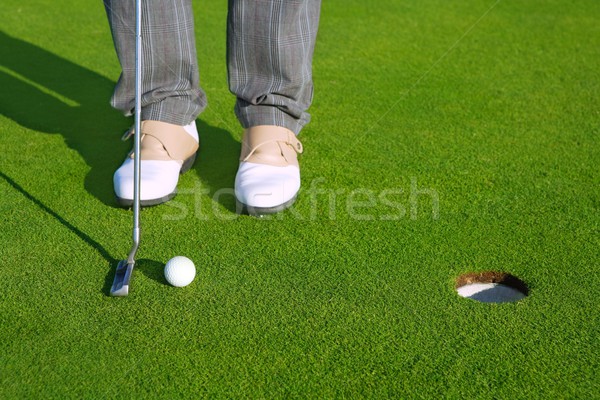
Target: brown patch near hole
503, 278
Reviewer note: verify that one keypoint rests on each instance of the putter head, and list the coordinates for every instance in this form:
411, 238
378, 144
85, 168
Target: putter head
120, 286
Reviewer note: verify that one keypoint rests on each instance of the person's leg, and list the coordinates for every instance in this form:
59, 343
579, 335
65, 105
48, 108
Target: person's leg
170, 86
171, 96
270, 49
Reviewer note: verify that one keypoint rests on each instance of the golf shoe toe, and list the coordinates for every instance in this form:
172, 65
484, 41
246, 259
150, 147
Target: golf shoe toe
268, 177
166, 151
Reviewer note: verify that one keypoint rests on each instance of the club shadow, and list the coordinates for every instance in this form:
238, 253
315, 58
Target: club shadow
112, 262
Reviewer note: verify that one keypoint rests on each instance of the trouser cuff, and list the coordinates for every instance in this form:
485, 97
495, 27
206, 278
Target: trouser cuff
251, 115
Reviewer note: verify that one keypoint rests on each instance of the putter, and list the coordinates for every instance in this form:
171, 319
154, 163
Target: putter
120, 286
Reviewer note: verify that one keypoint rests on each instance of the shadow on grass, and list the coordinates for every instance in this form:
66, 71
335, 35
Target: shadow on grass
50, 94
217, 163
47, 93
152, 269
82, 235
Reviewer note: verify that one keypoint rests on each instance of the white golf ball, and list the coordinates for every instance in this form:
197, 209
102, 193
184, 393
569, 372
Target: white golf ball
180, 271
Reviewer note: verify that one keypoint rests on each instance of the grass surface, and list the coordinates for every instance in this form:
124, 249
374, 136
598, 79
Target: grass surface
446, 138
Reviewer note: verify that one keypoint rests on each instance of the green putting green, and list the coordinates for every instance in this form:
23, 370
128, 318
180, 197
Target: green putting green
447, 138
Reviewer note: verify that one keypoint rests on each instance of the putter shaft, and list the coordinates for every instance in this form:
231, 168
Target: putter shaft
120, 286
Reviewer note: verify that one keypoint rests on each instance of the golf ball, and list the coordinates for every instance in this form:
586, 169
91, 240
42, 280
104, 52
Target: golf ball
180, 271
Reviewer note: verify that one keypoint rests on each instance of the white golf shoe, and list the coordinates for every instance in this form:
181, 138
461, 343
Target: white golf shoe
268, 177
167, 151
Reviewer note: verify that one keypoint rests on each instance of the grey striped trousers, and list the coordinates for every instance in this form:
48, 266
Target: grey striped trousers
270, 46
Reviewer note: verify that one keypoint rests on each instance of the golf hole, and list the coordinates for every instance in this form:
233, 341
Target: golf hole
491, 287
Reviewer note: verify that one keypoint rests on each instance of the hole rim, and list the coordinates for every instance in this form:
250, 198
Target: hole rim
498, 277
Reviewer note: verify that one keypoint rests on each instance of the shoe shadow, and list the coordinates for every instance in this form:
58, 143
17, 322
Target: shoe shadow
47, 93
217, 163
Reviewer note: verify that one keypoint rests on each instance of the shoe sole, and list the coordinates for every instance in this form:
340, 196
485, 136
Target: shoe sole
245, 209
186, 166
